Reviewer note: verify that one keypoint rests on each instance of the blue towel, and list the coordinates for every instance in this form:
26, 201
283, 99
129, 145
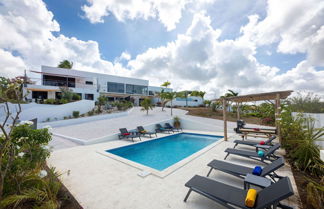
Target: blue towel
261, 153
257, 170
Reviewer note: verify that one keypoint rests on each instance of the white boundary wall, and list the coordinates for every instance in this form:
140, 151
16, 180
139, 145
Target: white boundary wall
43, 111
185, 124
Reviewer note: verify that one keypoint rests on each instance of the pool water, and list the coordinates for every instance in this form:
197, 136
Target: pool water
163, 152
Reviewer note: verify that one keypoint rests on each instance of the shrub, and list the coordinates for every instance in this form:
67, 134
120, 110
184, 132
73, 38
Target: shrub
76, 114
76, 97
298, 136
50, 101
309, 103
63, 101
91, 112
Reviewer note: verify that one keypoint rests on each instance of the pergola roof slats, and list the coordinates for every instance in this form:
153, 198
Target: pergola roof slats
258, 97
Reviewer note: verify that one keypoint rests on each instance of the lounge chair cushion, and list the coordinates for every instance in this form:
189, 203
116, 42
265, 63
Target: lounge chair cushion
262, 143
126, 134
260, 153
257, 170
250, 198
143, 132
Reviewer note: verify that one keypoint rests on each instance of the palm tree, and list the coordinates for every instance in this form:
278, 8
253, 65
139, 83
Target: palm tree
65, 64
146, 105
198, 94
169, 96
166, 84
231, 93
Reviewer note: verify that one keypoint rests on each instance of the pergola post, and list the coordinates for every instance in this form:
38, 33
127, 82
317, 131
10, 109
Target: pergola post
225, 119
277, 116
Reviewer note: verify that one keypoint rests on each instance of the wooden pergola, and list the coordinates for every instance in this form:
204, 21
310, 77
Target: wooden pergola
276, 96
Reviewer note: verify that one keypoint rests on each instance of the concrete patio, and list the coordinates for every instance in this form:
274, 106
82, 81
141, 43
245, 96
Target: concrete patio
100, 182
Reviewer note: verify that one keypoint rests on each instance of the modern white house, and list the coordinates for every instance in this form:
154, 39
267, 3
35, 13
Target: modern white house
91, 85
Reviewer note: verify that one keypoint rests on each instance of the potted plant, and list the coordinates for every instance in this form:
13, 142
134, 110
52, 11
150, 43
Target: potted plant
176, 122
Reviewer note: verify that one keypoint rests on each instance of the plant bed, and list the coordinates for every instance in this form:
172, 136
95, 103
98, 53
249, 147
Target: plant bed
302, 180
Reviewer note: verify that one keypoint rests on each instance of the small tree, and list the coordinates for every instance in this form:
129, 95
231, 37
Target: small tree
65, 64
67, 94
102, 100
9, 91
169, 98
162, 94
146, 105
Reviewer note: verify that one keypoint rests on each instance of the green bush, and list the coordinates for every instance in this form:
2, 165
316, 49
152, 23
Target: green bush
50, 101
76, 97
298, 137
309, 103
91, 112
76, 114
64, 101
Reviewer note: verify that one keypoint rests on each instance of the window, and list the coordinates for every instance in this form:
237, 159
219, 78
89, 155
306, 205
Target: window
136, 89
88, 96
89, 83
49, 80
116, 87
39, 94
184, 99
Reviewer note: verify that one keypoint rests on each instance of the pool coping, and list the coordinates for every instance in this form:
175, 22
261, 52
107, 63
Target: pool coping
145, 170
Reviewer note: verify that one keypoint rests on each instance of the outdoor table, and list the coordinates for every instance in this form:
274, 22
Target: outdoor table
251, 179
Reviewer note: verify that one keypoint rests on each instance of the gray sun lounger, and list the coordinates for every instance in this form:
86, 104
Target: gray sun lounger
160, 129
143, 132
132, 135
241, 171
268, 155
252, 143
233, 197
168, 126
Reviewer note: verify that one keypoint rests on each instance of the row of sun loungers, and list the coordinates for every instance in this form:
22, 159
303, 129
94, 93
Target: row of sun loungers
140, 131
277, 188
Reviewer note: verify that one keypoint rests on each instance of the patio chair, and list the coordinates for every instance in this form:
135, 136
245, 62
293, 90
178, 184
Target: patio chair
267, 155
233, 197
267, 143
144, 132
241, 171
168, 126
160, 129
128, 135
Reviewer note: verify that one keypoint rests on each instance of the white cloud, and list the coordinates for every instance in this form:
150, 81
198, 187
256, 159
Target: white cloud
167, 12
296, 25
29, 30
10, 65
199, 60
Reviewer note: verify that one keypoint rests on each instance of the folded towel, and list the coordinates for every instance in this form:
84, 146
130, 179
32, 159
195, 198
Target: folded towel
262, 143
260, 153
126, 134
256, 129
250, 198
257, 170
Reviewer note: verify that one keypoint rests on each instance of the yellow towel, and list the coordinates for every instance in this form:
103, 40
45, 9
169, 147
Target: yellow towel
250, 198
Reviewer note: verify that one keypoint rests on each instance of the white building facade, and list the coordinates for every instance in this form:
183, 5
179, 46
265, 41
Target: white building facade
91, 85
87, 84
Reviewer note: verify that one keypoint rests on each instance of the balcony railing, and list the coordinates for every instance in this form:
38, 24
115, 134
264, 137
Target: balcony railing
58, 83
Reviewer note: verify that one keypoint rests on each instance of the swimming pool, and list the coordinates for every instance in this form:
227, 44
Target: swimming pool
166, 151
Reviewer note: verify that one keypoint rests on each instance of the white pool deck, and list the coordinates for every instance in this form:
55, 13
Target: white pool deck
100, 182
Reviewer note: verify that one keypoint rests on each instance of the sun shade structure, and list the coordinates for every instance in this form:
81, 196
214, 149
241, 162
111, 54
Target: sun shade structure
268, 96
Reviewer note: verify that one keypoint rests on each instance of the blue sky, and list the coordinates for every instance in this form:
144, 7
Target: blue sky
136, 36
208, 45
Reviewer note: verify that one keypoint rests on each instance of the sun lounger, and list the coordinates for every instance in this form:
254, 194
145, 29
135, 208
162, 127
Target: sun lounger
128, 135
168, 126
241, 171
160, 129
233, 197
143, 132
252, 143
268, 155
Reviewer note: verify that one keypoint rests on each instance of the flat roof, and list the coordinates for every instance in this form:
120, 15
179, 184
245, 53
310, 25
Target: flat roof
257, 97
